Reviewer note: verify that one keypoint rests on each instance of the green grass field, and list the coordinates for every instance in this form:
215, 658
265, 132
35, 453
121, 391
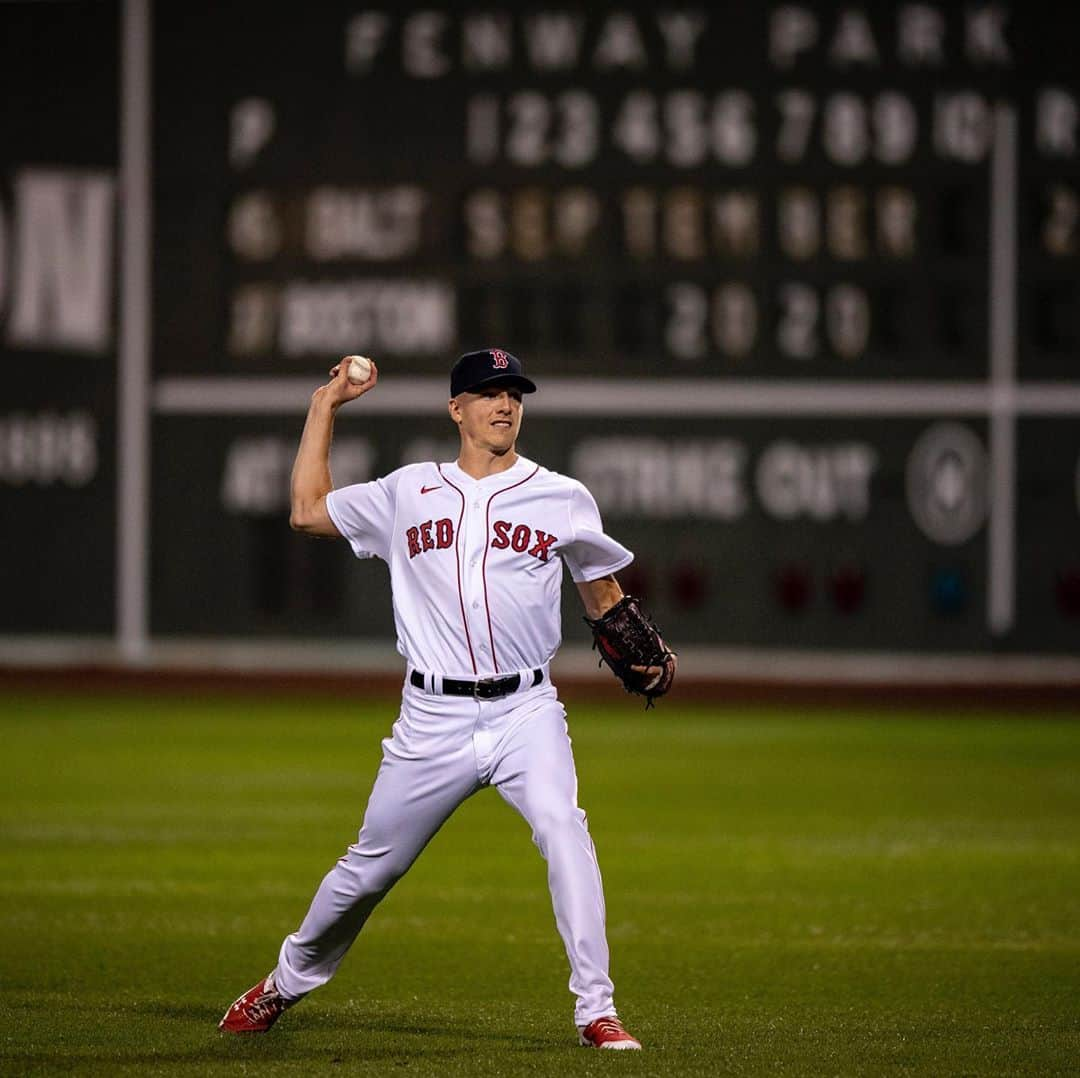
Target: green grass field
833, 894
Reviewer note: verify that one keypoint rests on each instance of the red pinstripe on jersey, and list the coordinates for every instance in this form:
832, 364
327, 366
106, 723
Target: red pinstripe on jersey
457, 562
487, 545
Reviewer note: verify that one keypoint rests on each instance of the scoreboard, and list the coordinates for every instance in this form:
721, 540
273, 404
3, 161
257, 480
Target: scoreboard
799, 283
760, 191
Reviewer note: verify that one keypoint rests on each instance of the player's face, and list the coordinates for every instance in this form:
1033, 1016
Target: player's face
489, 418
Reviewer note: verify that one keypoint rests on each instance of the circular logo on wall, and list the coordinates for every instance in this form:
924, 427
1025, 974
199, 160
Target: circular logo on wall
947, 483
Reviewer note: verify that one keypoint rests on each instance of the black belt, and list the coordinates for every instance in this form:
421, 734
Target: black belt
486, 688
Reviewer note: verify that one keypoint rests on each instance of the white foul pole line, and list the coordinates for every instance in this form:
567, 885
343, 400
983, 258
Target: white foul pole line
1001, 562
133, 359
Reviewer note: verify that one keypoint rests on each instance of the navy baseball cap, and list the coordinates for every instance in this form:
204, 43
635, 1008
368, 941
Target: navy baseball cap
474, 370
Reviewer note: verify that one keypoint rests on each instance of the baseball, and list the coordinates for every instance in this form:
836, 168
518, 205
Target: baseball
359, 370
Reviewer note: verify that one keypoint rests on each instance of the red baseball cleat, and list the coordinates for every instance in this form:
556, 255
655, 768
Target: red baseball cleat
256, 1010
608, 1033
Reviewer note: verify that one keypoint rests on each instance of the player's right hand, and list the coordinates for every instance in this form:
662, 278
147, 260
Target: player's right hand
339, 390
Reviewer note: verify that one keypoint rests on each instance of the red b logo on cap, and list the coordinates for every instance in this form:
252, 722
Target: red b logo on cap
499, 359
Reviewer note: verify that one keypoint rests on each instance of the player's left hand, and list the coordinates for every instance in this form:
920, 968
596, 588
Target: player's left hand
634, 649
654, 675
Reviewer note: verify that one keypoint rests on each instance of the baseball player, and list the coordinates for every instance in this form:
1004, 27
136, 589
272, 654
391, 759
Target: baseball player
476, 550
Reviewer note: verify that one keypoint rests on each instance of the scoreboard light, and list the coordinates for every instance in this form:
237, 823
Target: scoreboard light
636, 579
1068, 591
948, 590
793, 586
690, 585
847, 587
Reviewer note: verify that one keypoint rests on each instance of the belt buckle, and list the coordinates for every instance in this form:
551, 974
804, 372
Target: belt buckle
490, 688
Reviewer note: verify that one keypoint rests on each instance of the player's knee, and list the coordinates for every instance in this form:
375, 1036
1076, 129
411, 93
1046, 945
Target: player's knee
366, 874
553, 821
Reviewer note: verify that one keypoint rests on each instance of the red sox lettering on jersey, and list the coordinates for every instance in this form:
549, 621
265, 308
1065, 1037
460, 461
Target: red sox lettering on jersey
521, 538
476, 565
439, 535
420, 537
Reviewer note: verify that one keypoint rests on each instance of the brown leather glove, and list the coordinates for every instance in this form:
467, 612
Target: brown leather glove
634, 649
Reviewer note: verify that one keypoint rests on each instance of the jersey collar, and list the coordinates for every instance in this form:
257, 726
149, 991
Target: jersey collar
518, 470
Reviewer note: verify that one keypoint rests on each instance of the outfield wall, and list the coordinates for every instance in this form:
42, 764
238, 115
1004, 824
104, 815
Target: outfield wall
800, 284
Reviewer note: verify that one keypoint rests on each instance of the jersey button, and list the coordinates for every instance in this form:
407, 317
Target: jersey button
476, 604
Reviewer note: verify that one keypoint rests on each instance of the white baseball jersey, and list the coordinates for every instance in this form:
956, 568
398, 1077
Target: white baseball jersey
476, 564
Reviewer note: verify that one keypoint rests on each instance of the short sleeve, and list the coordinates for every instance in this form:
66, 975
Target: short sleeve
590, 554
364, 514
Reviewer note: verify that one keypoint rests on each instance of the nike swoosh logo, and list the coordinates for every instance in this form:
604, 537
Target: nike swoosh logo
428, 490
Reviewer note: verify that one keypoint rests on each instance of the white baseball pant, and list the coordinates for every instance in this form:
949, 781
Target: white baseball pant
443, 749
